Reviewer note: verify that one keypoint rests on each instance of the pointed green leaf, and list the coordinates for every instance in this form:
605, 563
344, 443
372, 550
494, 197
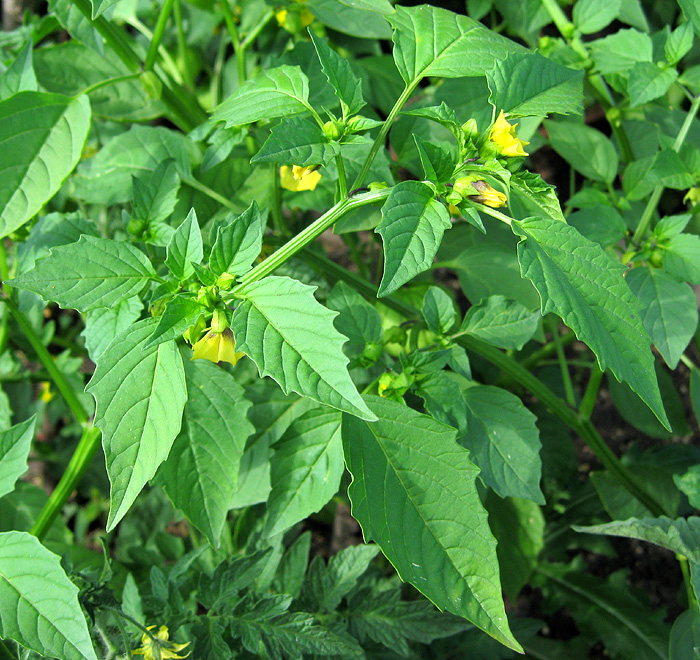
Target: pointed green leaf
98, 6
306, 468
238, 242
528, 84
140, 393
530, 190
291, 338
45, 134
357, 319
412, 225
38, 603
103, 324
438, 162
504, 442
19, 76
681, 535
647, 82
681, 257
340, 75
692, 13
444, 399
578, 281
430, 41
442, 114
414, 493
669, 310
185, 248
77, 24
297, 141
591, 16
438, 311
94, 272
277, 92
15, 443
155, 193
620, 51
200, 474
501, 322
180, 313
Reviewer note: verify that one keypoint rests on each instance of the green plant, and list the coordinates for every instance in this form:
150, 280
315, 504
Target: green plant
175, 184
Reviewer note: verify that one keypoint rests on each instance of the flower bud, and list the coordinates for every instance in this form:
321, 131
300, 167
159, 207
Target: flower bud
219, 322
333, 129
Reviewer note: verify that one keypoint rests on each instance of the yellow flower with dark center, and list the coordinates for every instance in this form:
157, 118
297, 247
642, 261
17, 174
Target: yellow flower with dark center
503, 134
298, 178
479, 191
217, 347
159, 648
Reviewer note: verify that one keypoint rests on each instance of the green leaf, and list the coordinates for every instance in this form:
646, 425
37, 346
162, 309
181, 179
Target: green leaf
438, 163
354, 17
45, 134
414, 493
412, 225
78, 25
98, 6
106, 178
442, 114
19, 76
185, 248
306, 468
518, 525
692, 13
578, 281
501, 322
140, 393
665, 168
277, 92
200, 474
444, 399
681, 257
438, 311
94, 272
648, 82
528, 84
600, 224
291, 338
38, 603
591, 16
680, 535
180, 313
619, 52
689, 482
678, 43
340, 75
587, 150
15, 443
695, 392
504, 442
155, 193
103, 324
430, 41
529, 190
297, 141
238, 242
525, 18
669, 310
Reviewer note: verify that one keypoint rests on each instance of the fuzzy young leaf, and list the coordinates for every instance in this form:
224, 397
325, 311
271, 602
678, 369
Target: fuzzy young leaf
38, 603
94, 272
200, 474
340, 75
501, 322
155, 193
669, 310
185, 248
238, 242
504, 441
297, 141
44, 134
140, 393
277, 92
412, 225
430, 41
15, 443
578, 281
414, 493
291, 338
19, 76
306, 468
526, 84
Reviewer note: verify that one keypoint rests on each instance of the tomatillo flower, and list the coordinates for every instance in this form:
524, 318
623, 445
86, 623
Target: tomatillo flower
294, 21
299, 178
503, 135
477, 190
159, 647
217, 347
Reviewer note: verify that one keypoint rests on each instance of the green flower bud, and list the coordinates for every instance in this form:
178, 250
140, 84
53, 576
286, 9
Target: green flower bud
136, 227
453, 197
333, 129
226, 281
219, 322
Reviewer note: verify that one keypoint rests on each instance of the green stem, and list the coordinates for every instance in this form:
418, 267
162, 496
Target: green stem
252, 35
548, 349
591, 395
687, 581
75, 469
314, 230
124, 635
277, 218
383, 131
182, 45
4, 276
5, 653
198, 185
653, 202
556, 13
108, 82
563, 366
157, 37
238, 48
342, 180
45, 358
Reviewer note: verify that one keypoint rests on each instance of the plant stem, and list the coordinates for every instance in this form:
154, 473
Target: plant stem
556, 13
277, 218
45, 358
653, 202
157, 37
383, 131
252, 35
342, 180
563, 366
77, 465
591, 394
203, 188
110, 81
547, 350
238, 48
4, 276
314, 230
5, 653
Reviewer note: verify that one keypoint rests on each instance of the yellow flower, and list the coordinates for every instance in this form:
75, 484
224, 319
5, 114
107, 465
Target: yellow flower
299, 178
217, 347
503, 134
477, 190
454, 210
159, 648
296, 20
46, 393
